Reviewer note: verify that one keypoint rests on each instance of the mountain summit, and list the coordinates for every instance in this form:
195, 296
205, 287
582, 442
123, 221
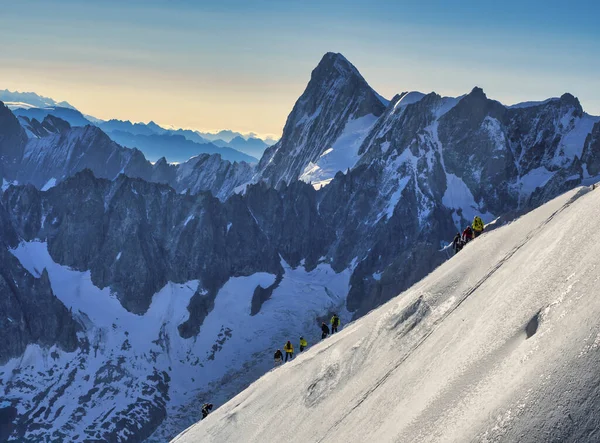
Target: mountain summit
326, 126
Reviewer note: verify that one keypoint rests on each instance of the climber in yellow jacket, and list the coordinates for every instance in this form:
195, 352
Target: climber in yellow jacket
289, 350
478, 226
335, 323
303, 344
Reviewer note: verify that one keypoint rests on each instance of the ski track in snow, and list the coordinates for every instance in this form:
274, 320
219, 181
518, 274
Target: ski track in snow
450, 359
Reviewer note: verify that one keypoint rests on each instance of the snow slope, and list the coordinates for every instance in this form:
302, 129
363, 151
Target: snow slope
500, 343
129, 352
343, 154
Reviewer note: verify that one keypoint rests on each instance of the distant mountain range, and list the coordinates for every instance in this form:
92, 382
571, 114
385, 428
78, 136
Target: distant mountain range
176, 145
29, 100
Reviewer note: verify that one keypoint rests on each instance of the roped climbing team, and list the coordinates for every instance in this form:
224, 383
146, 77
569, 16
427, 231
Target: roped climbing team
469, 233
288, 347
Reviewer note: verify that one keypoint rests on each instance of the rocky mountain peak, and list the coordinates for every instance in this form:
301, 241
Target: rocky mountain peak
335, 95
55, 124
9, 125
334, 64
477, 92
12, 142
569, 100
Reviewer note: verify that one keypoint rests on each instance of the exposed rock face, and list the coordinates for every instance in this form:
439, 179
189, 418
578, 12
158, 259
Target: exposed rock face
210, 173
591, 151
12, 142
29, 311
335, 95
158, 233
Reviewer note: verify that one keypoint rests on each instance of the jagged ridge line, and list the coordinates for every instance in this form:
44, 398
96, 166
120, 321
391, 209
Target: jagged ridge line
436, 324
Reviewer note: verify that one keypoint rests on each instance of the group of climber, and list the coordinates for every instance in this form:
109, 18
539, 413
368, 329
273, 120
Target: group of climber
469, 233
288, 348
289, 352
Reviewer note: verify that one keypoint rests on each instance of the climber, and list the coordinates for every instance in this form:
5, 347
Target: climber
289, 350
206, 408
467, 235
478, 226
335, 322
457, 243
278, 357
324, 330
303, 344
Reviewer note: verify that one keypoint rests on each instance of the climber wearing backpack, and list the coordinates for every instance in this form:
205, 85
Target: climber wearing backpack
278, 357
478, 226
324, 331
289, 350
457, 243
303, 344
206, 408
467, 235
335, 322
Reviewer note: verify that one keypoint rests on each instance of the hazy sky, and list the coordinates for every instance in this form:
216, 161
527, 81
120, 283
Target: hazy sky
241, 64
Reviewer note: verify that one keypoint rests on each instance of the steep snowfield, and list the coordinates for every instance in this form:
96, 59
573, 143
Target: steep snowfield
343, 154
114, 377
501, 343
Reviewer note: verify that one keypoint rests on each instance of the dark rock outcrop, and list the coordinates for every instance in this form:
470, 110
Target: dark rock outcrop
591, 151
29, 311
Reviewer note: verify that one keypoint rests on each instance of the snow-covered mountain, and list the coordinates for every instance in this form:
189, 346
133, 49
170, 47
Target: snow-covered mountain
152, 139
325, 129
252, 145
150, 128
70, 115
175, 297
29, 100
499, 344
176, 148
47, 152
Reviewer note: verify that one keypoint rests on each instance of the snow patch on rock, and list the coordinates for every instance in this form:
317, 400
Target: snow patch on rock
343, 154
49, 184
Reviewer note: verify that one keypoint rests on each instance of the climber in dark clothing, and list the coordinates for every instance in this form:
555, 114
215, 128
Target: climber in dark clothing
206, 408
324, 330
457, 243
278, 357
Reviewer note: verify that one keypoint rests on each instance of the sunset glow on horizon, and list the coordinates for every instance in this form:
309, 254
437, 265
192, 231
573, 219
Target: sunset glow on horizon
242, 65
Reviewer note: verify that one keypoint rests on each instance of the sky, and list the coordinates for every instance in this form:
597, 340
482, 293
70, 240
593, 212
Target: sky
242, 64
